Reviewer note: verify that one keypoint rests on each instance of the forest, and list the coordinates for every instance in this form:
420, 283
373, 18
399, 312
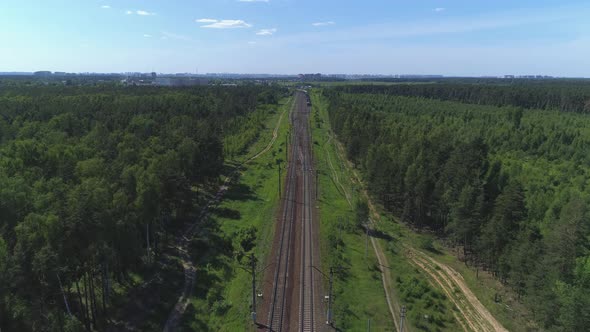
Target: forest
564, 95
503, 182
95, 181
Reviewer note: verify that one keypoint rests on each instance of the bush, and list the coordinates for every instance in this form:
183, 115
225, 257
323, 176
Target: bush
427, 244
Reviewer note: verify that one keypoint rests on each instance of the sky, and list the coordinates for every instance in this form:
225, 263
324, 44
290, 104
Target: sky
447, 37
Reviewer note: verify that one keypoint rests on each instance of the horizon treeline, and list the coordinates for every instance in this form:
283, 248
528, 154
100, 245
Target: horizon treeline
562, 95
507, 185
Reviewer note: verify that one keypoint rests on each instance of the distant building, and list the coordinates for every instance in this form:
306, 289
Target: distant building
412, 76
42, 73
310, 77
509, 76
180, 81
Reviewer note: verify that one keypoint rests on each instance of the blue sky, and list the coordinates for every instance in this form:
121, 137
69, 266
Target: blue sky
450, 37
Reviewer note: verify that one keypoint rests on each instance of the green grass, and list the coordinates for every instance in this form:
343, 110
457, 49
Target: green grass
359, 293
222, 299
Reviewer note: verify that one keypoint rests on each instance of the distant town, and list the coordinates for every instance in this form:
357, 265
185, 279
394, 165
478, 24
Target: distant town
226, 79
152, 75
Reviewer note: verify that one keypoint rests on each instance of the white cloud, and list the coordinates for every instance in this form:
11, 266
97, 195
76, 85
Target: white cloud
251, 43
266, 32
170, 35
139, 12
439, 9
223, 24
144, 13
253, 0
105, 7
322, 24
430, 27
147, 36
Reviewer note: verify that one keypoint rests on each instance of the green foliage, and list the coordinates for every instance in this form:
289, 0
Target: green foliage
94, 179
245, 239
73, 325
361, 210
3, 255
427, 307
506, 184
427, 243
571, 96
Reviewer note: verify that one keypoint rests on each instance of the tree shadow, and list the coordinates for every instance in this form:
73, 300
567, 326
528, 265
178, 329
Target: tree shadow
144, 306
204, 281
240, 192
435, 251
227, 213
375, 233
194, 323
380, 235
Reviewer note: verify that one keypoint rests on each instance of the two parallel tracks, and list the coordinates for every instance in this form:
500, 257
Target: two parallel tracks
293, 279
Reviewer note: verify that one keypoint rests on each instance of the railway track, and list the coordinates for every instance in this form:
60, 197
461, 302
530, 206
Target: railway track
306, 306
292, 305
280, 294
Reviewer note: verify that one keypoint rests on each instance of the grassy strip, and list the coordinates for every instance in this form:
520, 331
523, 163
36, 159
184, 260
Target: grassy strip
245, 221
358, 291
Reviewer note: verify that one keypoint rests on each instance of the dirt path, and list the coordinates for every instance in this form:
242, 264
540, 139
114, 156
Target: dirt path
275, 135
381, 258
474, 316
189, 267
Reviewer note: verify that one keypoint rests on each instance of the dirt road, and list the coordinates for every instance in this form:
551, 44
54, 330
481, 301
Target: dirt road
474, 316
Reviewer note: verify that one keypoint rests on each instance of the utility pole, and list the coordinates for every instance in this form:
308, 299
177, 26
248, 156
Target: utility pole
279, 167
253, 266
147, 237
329, 320
317, 178
403, 315
369, 325
367, 242
329, 313
339, 232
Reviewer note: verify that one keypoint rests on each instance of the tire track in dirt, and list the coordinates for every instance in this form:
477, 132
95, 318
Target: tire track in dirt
457, 290
443, 283
188, 266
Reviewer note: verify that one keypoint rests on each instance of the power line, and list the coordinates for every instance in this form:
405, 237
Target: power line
403, 315
253, 267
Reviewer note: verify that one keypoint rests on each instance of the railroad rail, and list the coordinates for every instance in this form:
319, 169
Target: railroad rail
293, 300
